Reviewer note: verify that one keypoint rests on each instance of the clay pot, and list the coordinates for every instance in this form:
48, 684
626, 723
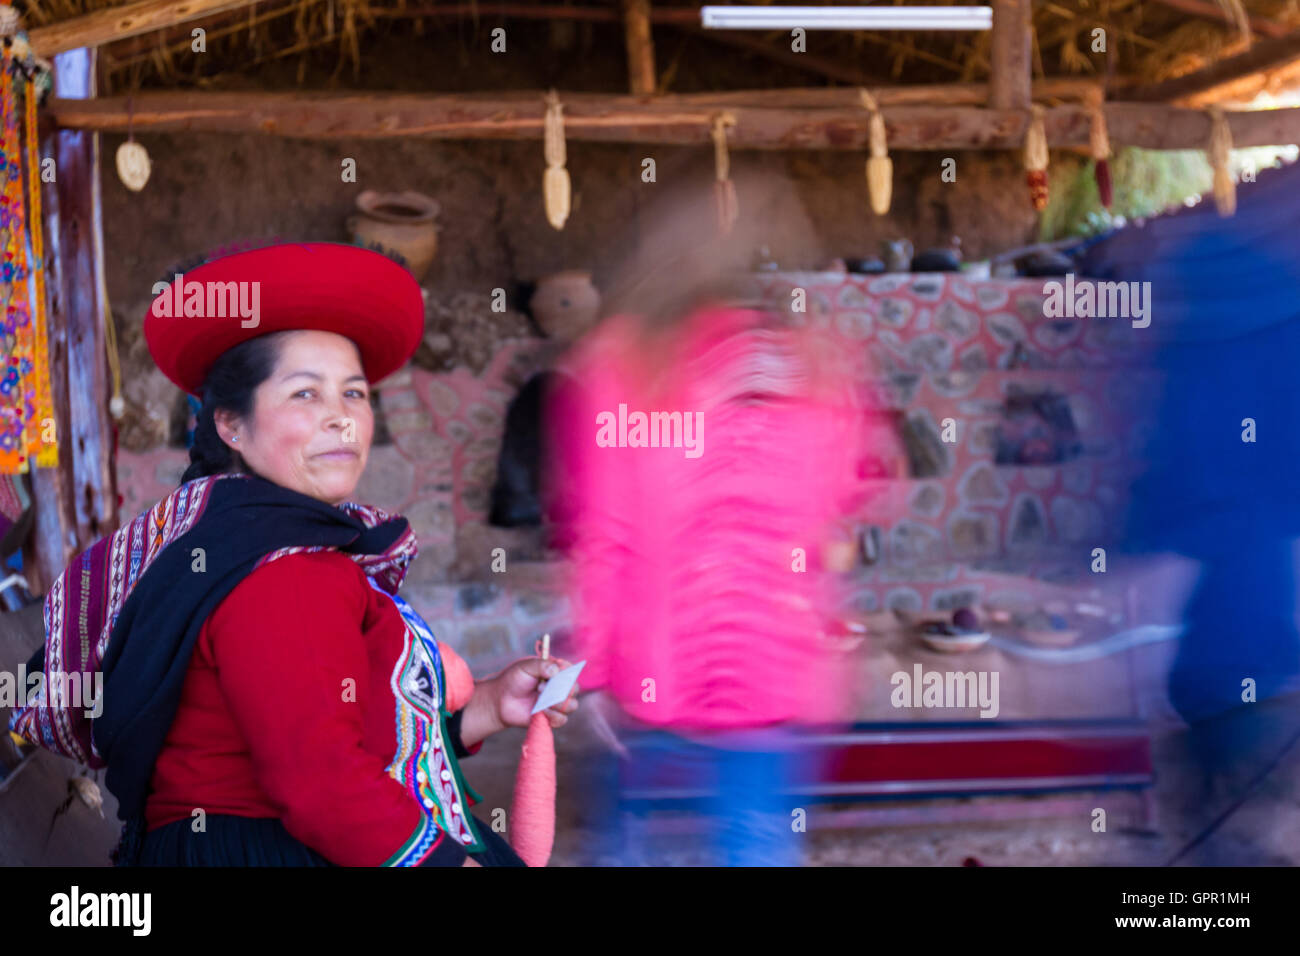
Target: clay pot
897, 254
565, 304
398, 222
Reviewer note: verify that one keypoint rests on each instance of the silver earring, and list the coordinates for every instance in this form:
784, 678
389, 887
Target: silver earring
234, 438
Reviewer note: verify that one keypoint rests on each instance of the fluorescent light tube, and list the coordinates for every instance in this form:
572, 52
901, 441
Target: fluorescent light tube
847, 18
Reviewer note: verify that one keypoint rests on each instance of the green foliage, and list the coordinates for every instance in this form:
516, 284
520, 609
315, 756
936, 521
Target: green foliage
1144, 182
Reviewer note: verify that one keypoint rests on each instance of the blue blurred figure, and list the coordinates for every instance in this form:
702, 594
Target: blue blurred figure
1222, 490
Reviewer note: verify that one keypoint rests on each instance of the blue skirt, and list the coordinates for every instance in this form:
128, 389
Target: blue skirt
263, 841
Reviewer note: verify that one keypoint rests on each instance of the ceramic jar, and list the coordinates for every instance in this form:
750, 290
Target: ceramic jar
565, 304
400, 222
897, 254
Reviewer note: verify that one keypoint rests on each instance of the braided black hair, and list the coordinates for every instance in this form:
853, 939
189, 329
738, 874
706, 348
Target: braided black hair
229, 386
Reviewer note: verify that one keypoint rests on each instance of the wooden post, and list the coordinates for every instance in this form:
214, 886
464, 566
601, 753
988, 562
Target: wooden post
640, 47
1010, 76
76, 503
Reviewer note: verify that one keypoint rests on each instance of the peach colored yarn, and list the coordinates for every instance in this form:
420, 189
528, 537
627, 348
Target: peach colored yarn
460, 682
532, 816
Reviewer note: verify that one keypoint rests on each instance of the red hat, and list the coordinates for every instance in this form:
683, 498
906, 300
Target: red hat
328, 286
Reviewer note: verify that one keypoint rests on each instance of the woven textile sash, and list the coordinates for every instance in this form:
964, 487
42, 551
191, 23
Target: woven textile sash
83, 606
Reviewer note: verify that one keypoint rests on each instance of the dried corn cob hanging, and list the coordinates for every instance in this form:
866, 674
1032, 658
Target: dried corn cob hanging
724, 190
555, 181
1225, 190
880, 168
1099, 146
1036, 159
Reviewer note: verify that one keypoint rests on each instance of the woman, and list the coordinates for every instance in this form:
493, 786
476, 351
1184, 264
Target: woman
715, 539
256, 674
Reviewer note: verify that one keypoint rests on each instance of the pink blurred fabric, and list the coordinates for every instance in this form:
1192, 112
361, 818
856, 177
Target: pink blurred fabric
683, 567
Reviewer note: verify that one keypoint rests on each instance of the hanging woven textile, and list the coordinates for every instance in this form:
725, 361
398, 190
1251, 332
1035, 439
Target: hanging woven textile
26, 407
41, 442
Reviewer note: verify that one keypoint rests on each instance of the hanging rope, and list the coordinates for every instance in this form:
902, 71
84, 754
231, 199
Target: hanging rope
880, 168
556, 188
724, 190
1220, 152
1036, 158
1099, 145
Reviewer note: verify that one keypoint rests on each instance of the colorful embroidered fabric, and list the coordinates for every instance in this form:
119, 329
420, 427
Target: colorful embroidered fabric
421, 763
99, 580
26, 406
97, 584
44, 444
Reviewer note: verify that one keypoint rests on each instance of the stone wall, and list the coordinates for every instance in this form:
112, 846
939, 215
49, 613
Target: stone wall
951, 348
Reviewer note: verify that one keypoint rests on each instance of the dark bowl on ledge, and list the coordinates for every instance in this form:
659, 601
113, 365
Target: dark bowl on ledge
865, 267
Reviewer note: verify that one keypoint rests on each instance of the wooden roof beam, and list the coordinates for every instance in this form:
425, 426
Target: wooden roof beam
118, 23
1065, 88
593, 117
1267, 65
177, 37
1211, 11
640, 47
787, 57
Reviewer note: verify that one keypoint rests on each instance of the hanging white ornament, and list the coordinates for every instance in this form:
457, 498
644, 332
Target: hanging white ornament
133, 165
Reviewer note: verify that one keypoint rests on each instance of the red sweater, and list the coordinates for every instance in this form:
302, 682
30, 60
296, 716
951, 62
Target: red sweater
268, 725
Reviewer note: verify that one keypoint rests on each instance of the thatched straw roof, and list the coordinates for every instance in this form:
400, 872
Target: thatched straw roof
1146, 40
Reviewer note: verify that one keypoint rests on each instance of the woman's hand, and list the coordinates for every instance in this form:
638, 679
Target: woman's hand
507, 700
520, 683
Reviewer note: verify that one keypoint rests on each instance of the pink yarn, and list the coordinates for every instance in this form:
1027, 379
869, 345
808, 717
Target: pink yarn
532, 814
532, 826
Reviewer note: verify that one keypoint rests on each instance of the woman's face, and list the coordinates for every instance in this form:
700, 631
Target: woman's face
312, 423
